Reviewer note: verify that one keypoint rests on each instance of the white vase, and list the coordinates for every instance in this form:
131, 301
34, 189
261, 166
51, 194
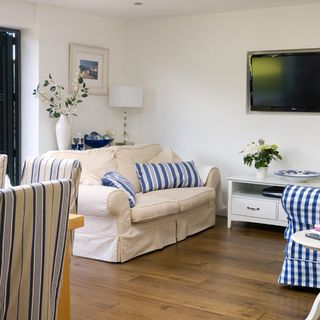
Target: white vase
262, 172
63, 132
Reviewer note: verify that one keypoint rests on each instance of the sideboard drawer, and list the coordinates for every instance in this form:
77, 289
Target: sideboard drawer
254, 208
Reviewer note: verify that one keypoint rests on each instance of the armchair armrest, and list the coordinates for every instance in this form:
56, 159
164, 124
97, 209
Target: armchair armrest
98, 200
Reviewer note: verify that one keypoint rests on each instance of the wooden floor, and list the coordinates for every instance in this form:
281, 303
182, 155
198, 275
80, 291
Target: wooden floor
217, 274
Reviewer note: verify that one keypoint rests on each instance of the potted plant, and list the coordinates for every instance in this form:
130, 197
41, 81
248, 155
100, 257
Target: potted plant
62, 107
260, 154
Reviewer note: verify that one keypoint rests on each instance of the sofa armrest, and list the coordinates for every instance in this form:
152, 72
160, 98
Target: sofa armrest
98, 200
210, 176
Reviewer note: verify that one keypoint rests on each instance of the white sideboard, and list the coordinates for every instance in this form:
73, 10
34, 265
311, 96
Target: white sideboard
246, 202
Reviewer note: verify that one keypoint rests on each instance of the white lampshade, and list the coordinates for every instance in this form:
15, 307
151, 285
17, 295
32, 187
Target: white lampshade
124, 96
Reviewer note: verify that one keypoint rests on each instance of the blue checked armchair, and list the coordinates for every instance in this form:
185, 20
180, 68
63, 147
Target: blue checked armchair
301, 266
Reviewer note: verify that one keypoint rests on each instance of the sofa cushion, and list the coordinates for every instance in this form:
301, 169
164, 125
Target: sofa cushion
95, 162
127, 156
156, 176
150, 208
115, 180
166, 155
187, 198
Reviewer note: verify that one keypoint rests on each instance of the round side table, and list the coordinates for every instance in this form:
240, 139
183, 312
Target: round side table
300, 237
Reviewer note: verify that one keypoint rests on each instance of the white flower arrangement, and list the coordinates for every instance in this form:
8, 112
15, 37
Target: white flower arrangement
51, 93
261, 154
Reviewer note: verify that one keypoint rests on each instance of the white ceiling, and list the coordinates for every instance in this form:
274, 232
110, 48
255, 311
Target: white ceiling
125, 10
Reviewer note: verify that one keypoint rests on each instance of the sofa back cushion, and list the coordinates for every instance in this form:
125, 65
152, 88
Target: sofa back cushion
166, 155
127, 156
95, 162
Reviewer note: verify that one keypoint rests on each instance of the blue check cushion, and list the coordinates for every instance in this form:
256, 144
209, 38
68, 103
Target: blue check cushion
157, 176
301, 266
115, 180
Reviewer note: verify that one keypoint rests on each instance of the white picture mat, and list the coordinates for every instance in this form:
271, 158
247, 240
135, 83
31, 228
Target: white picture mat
101, 55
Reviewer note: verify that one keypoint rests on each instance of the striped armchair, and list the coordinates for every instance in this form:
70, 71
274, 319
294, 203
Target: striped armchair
41, 169
32, 245
3, 169
301, 266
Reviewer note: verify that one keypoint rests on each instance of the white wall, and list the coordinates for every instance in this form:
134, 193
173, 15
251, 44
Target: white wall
45, 37
193, 70
29, 105
59, 27
22, 16
17, 14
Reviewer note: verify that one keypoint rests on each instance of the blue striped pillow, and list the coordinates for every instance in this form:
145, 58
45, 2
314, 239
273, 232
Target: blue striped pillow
157, 176
115, 180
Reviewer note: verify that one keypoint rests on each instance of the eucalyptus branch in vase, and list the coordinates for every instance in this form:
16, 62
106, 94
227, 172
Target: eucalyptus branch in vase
51, 93
59, 106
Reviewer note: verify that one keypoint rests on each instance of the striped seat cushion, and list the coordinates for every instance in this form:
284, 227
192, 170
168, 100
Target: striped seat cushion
33, 230
301, 266
115, 180
157, 176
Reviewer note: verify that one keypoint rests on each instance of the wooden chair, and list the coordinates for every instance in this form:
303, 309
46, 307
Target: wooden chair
3, 169
33, 230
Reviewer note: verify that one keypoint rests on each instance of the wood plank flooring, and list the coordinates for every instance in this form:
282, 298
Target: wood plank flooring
216, 274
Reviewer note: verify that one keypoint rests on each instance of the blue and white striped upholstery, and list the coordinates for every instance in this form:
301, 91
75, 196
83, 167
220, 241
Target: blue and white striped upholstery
41, 169
33, 229
3, 169
301, 266
115, 180
156, 176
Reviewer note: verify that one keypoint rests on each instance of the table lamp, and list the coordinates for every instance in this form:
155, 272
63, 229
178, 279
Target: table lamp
125, 97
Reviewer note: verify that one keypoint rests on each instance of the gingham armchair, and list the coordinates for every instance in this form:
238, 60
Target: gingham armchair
301, 266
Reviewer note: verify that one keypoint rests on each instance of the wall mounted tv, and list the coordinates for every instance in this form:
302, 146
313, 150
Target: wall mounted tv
284, 81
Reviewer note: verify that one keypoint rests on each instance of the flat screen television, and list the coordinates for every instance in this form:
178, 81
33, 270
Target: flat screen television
284, 81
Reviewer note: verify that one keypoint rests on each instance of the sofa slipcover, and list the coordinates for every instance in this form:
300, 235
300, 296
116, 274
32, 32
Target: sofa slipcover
113, 231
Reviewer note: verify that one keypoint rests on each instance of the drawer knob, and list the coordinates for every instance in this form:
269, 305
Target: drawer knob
253, 209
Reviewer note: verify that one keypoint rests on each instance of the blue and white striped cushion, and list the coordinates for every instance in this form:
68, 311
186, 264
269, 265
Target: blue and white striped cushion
157, 176
115, 180
33, 231
302, 265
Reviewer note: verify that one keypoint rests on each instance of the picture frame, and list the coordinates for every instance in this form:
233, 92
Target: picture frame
94, 62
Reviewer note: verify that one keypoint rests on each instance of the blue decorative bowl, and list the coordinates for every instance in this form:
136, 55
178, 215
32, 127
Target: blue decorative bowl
97, 143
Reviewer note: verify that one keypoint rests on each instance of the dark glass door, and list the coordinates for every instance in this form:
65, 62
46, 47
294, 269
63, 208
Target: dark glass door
10, 100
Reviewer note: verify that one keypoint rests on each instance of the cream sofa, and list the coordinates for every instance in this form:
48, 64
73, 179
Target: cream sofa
116, 233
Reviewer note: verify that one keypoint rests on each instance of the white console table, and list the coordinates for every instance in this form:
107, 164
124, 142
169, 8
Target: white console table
246, 202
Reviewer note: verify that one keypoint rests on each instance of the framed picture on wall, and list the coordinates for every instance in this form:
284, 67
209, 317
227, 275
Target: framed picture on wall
93, 62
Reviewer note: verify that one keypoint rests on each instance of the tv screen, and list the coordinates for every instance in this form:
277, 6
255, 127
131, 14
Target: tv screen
284, 81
